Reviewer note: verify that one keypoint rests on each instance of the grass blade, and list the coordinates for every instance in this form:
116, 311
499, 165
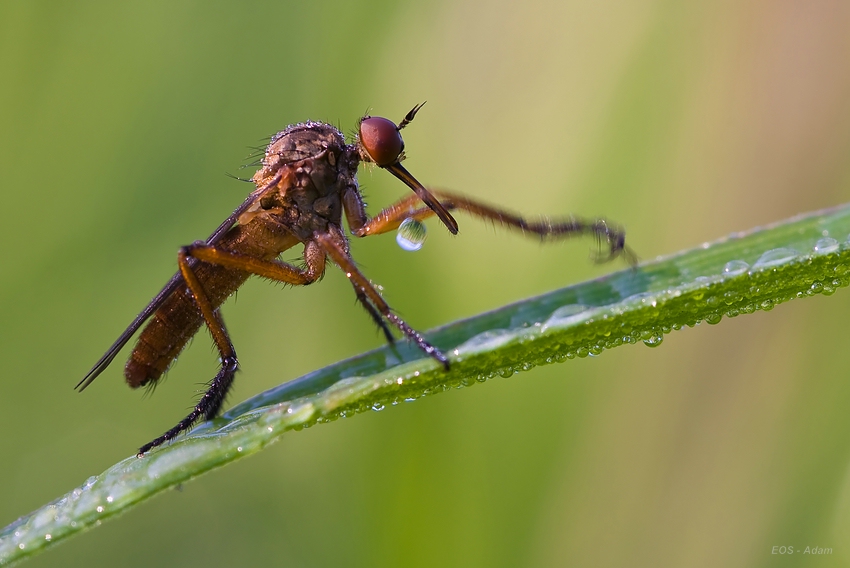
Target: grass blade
740, 274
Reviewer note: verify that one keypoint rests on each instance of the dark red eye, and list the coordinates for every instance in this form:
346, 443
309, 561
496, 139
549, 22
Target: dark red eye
380, 140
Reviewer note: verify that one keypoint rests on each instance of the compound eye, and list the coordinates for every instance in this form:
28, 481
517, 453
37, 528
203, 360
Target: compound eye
380, 140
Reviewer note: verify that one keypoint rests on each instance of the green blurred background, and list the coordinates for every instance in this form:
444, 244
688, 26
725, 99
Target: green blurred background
683, 121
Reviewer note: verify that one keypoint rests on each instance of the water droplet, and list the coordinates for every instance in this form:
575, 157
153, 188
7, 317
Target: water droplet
652, 337
377, 407
713, 319
775, 257
735, 267
487, 340
566, 315
826, 245
411, 234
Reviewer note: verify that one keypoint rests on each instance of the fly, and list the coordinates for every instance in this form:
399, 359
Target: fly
306, 184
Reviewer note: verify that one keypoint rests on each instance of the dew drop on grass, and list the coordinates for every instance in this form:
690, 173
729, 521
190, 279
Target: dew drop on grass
735, 267
654, 341
775, 257
411, 234
826, 245
565, 315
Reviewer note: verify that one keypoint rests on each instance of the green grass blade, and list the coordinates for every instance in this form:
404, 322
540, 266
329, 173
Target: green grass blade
740, 274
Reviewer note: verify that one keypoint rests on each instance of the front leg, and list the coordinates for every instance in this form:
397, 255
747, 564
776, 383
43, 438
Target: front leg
411, 208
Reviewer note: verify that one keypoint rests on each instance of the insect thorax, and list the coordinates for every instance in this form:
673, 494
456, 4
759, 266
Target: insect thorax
313, 166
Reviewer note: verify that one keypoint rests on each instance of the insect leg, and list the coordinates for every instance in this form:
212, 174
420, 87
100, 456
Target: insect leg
374, 314
340, 256
212, 400
208, 405
390, 218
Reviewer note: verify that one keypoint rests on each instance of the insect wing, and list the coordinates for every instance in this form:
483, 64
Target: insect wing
168, 289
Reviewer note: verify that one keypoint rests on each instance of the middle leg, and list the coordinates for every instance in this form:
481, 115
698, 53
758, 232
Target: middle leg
369, 295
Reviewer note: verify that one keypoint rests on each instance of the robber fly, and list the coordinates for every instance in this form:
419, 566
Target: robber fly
306, 183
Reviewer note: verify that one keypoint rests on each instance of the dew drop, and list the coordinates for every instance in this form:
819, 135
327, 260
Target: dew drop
775, 257
565, 316
654, 340
377, 407
411, 234
735, 267
487, 341
826, 245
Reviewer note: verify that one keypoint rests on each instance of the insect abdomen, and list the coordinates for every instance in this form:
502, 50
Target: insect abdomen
175, 323
178, 319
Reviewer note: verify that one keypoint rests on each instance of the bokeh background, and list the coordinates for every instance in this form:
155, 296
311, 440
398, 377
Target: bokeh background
682, 120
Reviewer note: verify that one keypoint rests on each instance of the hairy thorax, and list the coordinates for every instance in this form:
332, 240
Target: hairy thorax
313, 168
